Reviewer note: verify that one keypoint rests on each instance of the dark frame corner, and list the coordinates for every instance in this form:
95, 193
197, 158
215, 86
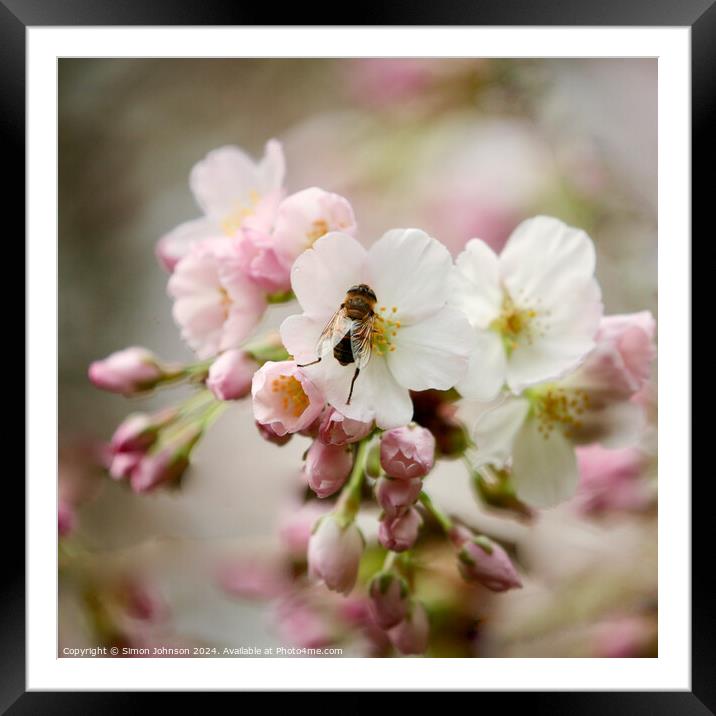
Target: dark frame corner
700, 15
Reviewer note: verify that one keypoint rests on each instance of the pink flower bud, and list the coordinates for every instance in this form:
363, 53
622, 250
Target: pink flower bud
230, 375
334, 554
609, 480
130, 371
284, 397
143, 601
632, 335
620, 364
484, 561
399, 533
296, 525
124, 463
397, 496
65, 518
407, 452
139, 431
167, 464
336, 429
389, 599
411, 635
327, 467
268, 434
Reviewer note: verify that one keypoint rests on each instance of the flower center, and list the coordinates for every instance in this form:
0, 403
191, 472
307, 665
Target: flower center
225, 301
556, 407
517, 325
291, 393
234, 220
385, 330
318, 228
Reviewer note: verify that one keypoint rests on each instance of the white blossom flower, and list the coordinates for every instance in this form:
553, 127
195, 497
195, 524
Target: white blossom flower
536, 433
534, 308
422, 343
234, 192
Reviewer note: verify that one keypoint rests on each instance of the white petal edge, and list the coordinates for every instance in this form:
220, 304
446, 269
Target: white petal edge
475, 284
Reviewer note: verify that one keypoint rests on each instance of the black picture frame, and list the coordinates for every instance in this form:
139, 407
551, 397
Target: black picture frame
699, 15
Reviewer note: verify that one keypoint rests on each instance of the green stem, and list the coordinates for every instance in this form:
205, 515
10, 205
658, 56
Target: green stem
349, 502
444, 521
198, 400
389, 561
212, 413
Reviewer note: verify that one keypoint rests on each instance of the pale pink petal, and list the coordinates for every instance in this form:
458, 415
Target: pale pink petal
272, 168
306, 216
223, 180
172, 247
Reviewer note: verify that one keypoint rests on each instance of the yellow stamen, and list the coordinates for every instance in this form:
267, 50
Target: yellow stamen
293, 396
556, 407
319, 228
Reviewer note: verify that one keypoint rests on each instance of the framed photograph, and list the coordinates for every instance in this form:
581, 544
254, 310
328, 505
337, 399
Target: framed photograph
373, 346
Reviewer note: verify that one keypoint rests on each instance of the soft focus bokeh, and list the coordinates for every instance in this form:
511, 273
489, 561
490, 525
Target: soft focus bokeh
461, 148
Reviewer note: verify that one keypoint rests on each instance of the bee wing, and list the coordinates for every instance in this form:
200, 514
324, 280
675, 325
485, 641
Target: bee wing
362, 340
332, 334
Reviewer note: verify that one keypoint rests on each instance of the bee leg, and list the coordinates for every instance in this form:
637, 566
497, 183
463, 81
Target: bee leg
350, 394
318, 360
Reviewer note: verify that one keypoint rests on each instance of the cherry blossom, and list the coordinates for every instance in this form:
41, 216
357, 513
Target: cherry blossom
419, 342
233, 192
534, 309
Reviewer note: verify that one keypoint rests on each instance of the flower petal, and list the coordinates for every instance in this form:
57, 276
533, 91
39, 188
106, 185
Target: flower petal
433, 353
496, 429
611, 424
544, 469
486, 368
321, 276
272, 168
390, 402
410, 270
543, 254
476, 284
173, 246
299, 335
566, 337
304, 217
228, 179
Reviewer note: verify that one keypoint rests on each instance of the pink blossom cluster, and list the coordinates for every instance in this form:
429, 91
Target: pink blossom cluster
390, 343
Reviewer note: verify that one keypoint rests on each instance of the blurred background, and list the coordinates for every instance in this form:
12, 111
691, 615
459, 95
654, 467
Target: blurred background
459, 147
